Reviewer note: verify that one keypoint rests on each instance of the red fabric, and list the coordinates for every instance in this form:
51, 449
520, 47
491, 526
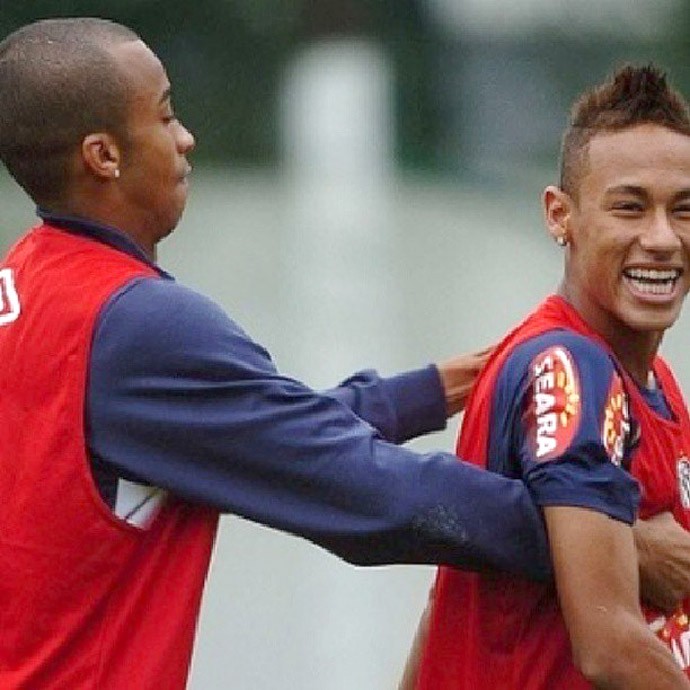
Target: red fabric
496, 631
86, 600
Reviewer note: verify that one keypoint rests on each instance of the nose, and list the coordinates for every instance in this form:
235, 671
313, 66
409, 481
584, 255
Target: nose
660, 237
185, 139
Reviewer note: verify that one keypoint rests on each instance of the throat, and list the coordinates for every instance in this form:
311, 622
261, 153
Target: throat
634, 349
636, 354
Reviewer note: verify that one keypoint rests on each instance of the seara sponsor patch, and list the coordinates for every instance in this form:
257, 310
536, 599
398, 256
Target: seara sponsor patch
616, 423
554, 411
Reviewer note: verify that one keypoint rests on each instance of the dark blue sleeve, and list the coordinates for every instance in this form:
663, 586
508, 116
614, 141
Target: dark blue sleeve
181, 398
563, 404
399, 407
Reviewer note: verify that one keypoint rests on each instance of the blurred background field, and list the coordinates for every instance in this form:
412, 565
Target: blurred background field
366, 193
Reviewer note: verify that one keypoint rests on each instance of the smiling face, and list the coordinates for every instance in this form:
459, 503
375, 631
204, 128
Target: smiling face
628, 259
154, 166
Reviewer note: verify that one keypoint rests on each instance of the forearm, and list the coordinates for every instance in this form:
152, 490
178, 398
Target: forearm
399, 407
663, 553
369, 502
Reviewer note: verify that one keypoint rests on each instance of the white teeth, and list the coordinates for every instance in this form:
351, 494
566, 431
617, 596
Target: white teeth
659, 288
653, 281
652, 274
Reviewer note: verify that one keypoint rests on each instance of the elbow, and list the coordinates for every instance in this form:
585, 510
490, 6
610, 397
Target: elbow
598, 666
605, 667
617, 659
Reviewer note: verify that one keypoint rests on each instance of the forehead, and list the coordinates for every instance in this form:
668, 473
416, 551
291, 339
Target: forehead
143, 72
648, 156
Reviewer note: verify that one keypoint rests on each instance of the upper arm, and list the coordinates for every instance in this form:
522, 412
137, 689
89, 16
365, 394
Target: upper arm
595, 566
565, 409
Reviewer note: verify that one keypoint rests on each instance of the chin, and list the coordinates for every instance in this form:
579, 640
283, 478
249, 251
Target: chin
651, 320
166, 232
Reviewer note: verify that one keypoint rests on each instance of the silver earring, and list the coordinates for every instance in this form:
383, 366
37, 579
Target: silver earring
561, 240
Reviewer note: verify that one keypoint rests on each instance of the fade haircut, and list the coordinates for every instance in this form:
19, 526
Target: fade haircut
58, 83
630, 96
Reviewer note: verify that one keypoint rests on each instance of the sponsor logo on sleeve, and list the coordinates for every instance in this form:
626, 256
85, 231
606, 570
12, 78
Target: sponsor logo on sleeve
683, 474
616, 425
554, 411
9, 299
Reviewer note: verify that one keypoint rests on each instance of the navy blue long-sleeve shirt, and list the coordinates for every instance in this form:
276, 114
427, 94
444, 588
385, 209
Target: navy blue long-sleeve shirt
180, 398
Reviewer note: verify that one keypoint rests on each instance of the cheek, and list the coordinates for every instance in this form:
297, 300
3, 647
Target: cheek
597, 268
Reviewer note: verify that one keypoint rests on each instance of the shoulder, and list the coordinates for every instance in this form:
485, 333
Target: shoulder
557, 350
159, 299
559, 375
153, 315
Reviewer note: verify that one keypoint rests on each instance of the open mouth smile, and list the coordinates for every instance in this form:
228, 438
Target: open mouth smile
653, 281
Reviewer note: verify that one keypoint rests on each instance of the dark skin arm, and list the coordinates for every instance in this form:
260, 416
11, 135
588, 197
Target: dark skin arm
663, 549
458, 376
596, 571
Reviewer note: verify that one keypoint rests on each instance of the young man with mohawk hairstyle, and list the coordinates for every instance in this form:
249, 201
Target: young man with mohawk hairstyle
577, 403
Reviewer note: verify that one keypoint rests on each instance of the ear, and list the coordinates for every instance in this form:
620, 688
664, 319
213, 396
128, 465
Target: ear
558, 208
101, 155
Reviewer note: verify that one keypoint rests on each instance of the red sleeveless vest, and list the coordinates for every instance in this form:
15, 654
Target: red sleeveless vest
498, 631
87, 601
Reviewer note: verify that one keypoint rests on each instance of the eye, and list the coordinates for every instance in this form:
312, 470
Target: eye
682, 210
627, 207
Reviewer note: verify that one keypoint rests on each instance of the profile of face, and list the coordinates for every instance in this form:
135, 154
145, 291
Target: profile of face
628, 230
154, 167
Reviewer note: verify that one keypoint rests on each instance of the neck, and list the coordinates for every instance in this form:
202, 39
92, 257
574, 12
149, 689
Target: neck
634, 349
103, 214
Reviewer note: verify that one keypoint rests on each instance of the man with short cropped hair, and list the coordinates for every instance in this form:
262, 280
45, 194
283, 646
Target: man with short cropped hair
134, 411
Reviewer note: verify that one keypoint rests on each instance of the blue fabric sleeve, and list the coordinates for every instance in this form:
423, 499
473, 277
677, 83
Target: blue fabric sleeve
575, 467
180, 397
400, 407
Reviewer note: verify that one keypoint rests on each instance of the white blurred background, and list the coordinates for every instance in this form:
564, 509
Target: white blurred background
337, 256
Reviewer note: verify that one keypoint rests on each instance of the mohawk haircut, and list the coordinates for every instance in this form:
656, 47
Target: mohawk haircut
630, 96
58, 83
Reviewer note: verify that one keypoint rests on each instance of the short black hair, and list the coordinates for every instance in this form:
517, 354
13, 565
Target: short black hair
58, 83
631, 96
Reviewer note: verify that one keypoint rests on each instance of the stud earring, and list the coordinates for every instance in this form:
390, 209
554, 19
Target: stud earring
561, 240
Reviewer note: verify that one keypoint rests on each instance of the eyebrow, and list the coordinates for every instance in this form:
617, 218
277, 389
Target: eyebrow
627, 189
641, 192
165, 96
682, 195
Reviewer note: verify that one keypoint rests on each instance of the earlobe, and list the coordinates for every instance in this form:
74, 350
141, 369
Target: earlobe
557, 206
101, 156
